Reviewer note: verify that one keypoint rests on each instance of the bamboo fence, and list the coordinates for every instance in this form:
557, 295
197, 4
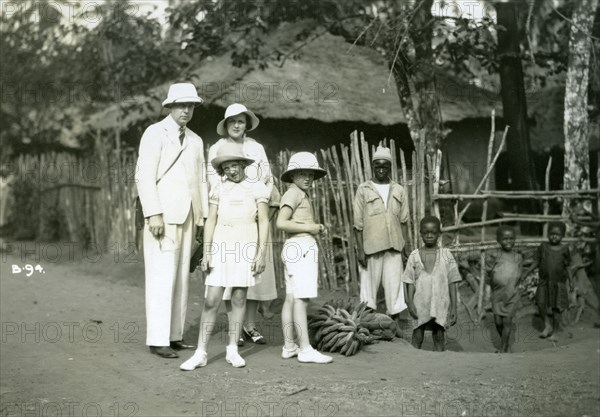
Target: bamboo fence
94, 202
347, 166
482, 192
86, 200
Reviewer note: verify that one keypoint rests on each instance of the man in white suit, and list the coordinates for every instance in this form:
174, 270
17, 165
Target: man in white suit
171, 183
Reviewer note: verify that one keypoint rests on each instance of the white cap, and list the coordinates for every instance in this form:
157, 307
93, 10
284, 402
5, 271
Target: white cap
382, 153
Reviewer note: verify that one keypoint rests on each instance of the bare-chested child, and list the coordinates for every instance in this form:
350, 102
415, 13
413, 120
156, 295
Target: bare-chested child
505, 273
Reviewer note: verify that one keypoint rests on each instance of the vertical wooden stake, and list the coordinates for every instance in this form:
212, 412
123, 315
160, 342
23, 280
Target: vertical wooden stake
480, 306
547, 202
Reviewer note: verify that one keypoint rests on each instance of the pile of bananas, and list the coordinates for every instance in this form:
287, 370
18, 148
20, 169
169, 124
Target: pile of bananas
334, 329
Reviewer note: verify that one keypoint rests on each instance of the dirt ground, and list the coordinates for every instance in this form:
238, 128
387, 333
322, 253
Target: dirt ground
73, 345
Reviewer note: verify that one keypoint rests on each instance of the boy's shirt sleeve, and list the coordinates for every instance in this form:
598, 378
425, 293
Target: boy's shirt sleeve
358, 208
408, 276
291, 198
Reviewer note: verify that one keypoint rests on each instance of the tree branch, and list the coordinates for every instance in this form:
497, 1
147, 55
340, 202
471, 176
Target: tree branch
585, 32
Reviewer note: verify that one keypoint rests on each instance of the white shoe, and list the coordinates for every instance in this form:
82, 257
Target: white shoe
198, 360
234, 358
313, 356
290, 353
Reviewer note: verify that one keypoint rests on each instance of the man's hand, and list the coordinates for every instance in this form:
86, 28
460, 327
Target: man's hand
362, 258
156, 225
199, 234
405, 253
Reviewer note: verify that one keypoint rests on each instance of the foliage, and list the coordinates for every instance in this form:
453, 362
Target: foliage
126, 54
55, 69
205, 27
26, 211
35, 64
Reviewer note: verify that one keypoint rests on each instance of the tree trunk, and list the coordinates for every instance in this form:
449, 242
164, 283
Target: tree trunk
514, 105
423, 77
415, 76
577, 161
415, 81
405, 96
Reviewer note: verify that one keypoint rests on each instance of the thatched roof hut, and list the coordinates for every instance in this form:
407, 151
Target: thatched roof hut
316, 89
321, 78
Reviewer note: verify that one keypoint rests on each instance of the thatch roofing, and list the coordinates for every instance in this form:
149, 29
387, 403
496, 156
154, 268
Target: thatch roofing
324, 80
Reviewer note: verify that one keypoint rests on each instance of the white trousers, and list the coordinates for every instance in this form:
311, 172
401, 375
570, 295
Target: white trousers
387, 267
167, 266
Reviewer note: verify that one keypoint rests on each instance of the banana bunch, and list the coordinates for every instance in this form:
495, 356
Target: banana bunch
336, 330
347, 304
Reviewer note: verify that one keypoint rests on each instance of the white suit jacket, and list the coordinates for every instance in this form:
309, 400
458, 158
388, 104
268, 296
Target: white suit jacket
183, 184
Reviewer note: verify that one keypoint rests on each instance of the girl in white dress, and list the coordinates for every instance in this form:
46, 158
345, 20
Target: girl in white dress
238, 120
235, 235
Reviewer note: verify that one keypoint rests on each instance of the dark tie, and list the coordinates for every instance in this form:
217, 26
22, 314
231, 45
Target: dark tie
181, 134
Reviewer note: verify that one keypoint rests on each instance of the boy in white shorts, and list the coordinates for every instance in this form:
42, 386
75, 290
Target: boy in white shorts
300, 255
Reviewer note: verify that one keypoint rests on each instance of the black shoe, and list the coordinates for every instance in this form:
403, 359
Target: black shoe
181, 345
240, 342
164, 351
254, 336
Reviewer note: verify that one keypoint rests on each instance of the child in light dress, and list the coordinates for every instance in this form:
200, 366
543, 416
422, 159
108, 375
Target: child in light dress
431, 274
233, 128
235, 235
